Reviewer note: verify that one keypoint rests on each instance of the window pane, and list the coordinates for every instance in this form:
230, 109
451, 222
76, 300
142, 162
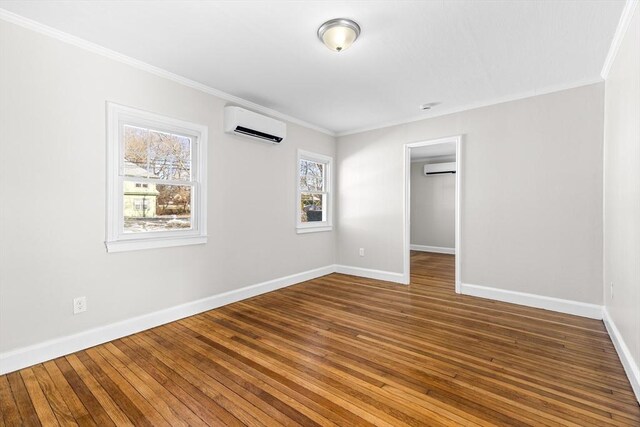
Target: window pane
308, 167
312, 207
136, 151
170, 156
312, 175
156, 207
311, 183
153, 154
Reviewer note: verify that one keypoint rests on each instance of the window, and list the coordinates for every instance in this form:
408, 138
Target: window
156, 181
314, 202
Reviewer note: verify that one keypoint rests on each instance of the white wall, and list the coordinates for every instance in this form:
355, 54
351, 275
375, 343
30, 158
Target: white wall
433, 208
531, 194
52, 197
622, 192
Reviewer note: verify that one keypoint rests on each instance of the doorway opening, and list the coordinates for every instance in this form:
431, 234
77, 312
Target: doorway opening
433, 176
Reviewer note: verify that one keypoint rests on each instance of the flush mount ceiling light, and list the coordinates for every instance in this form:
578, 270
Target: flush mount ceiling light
338, 34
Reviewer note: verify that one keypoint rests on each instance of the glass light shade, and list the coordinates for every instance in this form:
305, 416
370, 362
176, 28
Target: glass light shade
339, 34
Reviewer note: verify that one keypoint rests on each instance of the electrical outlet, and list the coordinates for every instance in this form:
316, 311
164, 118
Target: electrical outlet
611, 290
79, 305
361, 252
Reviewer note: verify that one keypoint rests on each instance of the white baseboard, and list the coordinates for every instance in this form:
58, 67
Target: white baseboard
630, 366
27, 356
592, 311
372, 274
435, 249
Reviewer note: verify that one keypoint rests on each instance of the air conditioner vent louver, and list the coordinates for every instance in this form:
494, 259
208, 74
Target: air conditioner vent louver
238, 121
439, 168
250, 132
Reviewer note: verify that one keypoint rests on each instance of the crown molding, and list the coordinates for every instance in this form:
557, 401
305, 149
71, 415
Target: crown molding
621, 30
111, 54
529, 94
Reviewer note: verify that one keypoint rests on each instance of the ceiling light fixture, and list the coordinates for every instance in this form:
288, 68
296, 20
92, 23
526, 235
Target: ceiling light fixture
338, 34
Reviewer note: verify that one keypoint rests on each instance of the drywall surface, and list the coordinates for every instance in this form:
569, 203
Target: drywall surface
433, 208
531, 195
52, 197
622, 189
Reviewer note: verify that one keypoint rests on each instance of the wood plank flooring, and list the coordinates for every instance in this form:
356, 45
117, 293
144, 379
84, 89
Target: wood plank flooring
340, 350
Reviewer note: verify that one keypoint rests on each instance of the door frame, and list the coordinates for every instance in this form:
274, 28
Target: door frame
407, 205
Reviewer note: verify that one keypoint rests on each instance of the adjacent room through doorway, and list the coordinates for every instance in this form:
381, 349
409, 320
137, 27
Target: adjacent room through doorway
431, 207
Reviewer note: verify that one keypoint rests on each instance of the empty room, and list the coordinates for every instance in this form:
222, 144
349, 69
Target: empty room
320, 213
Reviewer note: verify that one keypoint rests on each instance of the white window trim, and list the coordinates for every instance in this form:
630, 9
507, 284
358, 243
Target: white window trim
316, 226
116, 240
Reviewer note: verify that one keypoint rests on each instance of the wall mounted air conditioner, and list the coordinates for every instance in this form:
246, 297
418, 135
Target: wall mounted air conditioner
239, 121
439, 168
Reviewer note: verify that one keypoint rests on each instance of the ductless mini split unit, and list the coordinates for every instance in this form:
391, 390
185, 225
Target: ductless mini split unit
238, 121
439, 168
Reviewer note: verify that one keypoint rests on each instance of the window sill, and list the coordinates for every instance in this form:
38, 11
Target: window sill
303, 230
151, 243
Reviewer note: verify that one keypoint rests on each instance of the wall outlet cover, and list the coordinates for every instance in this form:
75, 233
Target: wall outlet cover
79, 305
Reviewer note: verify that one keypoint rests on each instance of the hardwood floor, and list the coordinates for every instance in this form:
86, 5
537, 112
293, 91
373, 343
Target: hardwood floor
340, 350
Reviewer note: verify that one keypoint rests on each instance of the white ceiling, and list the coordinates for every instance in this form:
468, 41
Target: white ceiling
435, 150
456, 53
